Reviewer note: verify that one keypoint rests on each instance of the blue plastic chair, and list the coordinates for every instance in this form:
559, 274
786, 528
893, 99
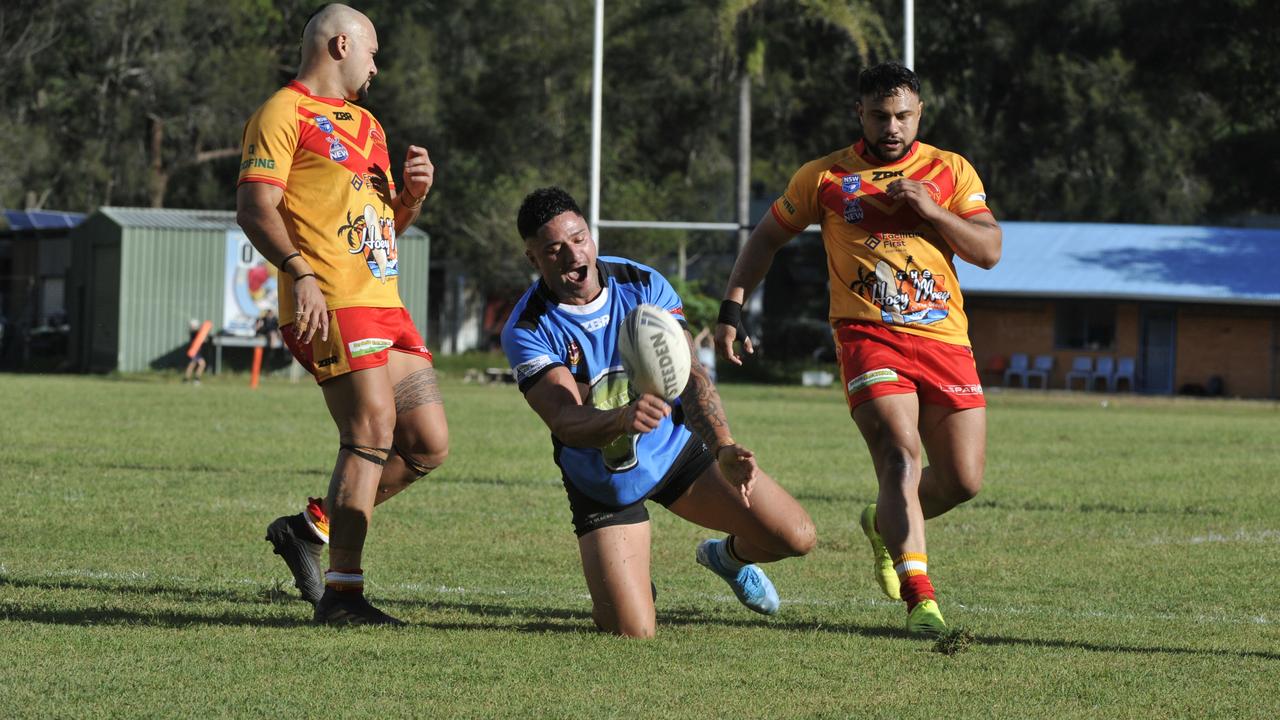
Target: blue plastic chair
1019, 365
1081, 368
1126, 369
1104, 371
1041, 368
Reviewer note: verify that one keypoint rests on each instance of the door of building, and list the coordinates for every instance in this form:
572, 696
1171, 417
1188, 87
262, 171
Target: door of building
1157, 351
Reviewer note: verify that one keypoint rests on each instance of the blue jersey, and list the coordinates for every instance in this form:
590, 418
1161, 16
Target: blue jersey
543, 334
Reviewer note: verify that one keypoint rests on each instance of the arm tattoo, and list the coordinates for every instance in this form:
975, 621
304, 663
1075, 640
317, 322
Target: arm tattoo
702, 410
417, 388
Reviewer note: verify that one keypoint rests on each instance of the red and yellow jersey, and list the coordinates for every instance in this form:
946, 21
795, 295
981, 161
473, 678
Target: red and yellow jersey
886, 264
330, 156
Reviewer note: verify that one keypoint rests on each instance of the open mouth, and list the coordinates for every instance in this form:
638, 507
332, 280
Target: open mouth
577, 275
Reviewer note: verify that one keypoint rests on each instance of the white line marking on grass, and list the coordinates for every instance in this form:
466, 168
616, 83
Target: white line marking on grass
1239, 536
1049, 612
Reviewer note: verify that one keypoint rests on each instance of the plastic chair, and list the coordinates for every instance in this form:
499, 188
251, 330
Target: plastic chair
1041, 368
1125, 370
1104, 371
1082, 368
1018, 367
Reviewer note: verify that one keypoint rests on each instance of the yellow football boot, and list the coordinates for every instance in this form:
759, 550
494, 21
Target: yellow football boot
926, 619
881, 563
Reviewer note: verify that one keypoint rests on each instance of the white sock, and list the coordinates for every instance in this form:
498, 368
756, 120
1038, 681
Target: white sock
727, 560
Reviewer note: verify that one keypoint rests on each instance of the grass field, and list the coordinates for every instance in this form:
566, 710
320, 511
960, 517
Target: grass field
1122, 562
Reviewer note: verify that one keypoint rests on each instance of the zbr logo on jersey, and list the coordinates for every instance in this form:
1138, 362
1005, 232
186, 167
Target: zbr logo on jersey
323, 123
852, 210
850, 184
337, 151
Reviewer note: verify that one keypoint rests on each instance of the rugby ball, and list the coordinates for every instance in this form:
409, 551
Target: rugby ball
655, 353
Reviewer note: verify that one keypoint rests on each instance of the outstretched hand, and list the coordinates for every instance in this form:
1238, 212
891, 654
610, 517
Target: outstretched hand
738, 465
725, 337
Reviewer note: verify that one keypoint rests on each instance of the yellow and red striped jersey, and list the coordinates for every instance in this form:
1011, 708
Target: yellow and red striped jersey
885, 263
330, 156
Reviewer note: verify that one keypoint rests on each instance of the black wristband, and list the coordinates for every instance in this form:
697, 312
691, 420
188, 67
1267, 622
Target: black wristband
306, 275
287, 258
730, 313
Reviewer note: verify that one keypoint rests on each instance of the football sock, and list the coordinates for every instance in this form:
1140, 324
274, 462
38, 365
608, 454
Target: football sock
727, 557
913, 575
345, 580
316, 519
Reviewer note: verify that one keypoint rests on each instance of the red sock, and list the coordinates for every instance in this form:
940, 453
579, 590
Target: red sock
913, 576
915, 589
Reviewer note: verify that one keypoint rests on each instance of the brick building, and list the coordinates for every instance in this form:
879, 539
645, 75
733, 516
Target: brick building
1197, 309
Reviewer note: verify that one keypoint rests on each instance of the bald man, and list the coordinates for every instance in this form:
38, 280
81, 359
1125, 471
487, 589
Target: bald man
317, 199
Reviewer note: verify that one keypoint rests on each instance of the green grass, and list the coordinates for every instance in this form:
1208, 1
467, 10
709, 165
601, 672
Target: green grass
1121, 562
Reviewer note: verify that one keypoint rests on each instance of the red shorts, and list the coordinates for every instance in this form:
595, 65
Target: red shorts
876, 361
359, 338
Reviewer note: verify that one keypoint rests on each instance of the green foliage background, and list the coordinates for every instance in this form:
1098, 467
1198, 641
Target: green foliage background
1085, 110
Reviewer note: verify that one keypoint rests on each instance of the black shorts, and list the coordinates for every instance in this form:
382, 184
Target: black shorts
590, 514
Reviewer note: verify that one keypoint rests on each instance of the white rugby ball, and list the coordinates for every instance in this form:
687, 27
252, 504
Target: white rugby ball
654, 352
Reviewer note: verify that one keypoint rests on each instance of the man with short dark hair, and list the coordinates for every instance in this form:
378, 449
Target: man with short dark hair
616, 450
893, 212
316, 198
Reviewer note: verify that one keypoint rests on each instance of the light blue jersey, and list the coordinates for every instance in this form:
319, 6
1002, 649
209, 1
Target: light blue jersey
542, 334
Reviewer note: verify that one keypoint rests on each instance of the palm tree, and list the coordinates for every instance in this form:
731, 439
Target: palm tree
744, 25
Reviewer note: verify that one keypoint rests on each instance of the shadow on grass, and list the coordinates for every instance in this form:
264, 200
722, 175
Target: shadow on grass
527, 619
174, 469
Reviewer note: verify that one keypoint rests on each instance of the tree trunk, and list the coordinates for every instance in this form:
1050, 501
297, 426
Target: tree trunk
159, 181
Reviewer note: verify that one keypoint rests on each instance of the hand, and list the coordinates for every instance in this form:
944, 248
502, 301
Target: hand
916, 195
311, 312
419, 174
645, 413
738, 465
725, 335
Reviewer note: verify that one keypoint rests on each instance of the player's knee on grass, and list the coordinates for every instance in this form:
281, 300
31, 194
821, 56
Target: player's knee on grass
632, 627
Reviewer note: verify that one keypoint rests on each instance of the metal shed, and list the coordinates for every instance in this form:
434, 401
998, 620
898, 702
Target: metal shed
139, 275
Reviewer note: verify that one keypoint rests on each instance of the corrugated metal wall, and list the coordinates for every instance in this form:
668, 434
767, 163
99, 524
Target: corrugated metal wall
414, 266
167, 278
135, 288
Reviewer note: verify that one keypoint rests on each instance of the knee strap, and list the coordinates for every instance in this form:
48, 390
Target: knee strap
375, 455
410, 462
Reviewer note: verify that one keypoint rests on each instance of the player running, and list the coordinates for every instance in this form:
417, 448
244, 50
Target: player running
893, 212
614, 450
316, 198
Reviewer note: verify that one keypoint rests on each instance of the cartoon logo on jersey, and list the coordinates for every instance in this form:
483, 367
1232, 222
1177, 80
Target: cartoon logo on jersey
852, 210
850, 184
611, 391
337, 151
912, 296
323, 123
375, 238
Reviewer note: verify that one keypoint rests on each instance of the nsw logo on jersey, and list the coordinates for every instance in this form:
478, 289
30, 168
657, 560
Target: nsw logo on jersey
323, 123
850, 184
